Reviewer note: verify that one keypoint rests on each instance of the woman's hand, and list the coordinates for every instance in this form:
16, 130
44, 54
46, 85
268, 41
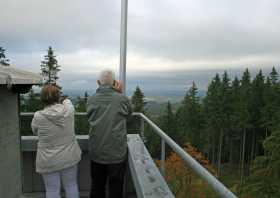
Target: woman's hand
117, 86
62, 98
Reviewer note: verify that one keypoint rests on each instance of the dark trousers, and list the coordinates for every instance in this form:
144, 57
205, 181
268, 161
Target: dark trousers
110, 175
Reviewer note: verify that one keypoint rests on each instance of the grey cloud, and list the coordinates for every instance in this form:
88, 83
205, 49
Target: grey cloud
227, 30
67, 24
176, 30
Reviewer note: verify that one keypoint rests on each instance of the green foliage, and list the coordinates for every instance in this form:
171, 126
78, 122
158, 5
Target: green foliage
137, 100
138, 105
190, 120
264, 181
257, 99
245, 93
81, 122
3, 60
236, 117
29, 103
50, 68
272, 147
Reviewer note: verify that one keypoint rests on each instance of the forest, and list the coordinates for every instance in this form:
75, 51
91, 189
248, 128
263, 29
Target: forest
233, 131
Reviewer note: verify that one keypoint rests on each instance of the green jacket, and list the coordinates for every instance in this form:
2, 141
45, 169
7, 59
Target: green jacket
107, 111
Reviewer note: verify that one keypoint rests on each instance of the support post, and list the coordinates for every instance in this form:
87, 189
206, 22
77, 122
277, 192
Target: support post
142, 128
10, 153
123, 44
162, 161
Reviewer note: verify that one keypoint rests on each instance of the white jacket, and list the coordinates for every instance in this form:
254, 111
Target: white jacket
57, 146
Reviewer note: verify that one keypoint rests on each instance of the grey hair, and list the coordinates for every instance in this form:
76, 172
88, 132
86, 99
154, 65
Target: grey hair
107, 77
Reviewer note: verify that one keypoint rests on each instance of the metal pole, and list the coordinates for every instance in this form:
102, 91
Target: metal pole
142, 128
123, 44
162, 161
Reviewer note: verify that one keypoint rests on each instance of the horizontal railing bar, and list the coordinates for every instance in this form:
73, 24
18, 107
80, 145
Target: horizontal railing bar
192, 163
32, 113
26, 113
76, 113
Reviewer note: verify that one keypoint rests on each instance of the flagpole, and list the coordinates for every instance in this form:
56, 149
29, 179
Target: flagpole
123, 44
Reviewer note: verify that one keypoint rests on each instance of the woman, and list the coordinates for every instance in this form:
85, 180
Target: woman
58, 151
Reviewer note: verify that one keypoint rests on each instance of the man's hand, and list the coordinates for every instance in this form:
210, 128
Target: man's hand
118, 86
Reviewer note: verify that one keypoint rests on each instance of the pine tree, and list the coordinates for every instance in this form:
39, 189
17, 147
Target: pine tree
244, 116
190, 118
50, 68
213, 115
257, 99
86, 97
137, 100
234, 117
264, 180
274, 76
138, 105
3, 60
256, 105
168, 123
269, 112
225, 111
81, 122
271, 108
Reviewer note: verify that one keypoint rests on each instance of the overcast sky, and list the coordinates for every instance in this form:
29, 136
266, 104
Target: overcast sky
163, 35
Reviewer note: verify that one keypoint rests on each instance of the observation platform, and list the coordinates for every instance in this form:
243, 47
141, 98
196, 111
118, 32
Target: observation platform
143, 178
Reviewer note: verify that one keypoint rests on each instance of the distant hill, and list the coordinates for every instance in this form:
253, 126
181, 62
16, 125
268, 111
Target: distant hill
157, 108
152, 95
156, 100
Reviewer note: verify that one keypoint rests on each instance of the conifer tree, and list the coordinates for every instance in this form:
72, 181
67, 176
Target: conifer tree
257, 99
270, 111
138, 105
86, 97
190, 121
50, 68
137, 100
225, 92
81, 122
274, 76
234, 117
244, 116
256, 105
264, 180
3, 60
168, 123
213, 114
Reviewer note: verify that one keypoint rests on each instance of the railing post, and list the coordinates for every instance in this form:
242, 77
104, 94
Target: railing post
162, 161
142, 128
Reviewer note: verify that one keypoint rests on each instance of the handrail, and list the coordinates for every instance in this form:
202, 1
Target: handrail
192, 163
32, 113
222, 191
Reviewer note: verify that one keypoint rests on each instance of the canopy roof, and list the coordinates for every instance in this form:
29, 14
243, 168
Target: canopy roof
10, 75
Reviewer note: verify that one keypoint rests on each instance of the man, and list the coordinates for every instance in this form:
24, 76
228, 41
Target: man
107, 111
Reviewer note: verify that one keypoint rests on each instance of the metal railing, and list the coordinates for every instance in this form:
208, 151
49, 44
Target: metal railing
192, 163
222, 191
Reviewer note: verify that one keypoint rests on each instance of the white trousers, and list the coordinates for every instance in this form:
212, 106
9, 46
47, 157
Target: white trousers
69, 180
